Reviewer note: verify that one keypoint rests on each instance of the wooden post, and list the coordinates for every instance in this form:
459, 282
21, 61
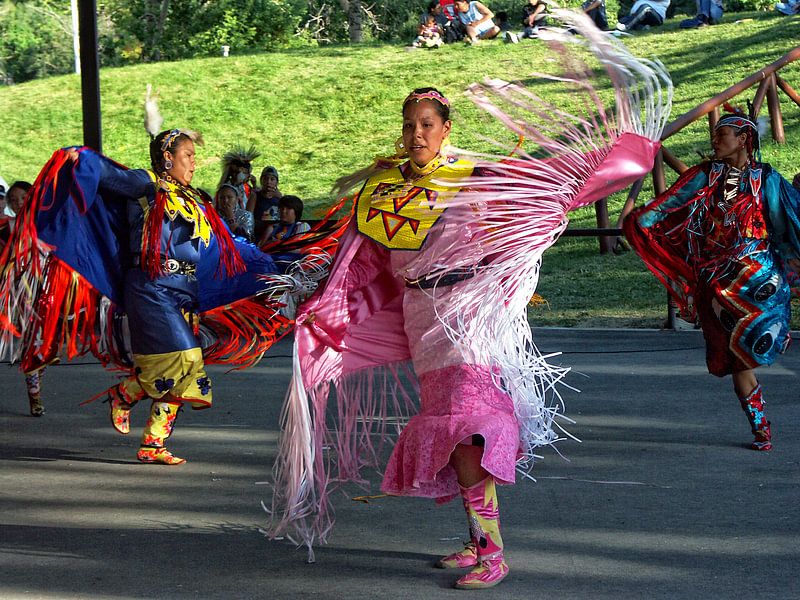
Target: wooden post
707, 106
774, 106
713, 119
601, 211
675, 163
660, 186
630, 201
789, 90
659, 180
758, 99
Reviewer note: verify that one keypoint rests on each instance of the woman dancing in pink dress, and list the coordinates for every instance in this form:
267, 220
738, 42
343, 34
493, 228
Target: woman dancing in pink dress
430, 285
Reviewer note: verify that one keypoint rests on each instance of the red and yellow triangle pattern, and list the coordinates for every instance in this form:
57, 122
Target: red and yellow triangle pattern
398, 213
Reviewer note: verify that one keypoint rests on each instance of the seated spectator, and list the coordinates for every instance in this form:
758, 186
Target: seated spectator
443, 11
239, 220
501, 20
789, 8
534, 15
436, 10
5, 220
265, 203
237, 171
291, 211
15, 198
449, 9
709, 12
596, 11
477, 20
644, 14
430, 35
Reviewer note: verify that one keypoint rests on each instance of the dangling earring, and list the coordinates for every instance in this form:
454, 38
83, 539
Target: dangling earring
167, 165
400, 148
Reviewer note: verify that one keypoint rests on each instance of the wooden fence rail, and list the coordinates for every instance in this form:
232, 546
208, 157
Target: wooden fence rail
769, 83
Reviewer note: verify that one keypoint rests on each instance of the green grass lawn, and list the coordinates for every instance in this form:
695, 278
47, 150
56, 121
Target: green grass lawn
317, 114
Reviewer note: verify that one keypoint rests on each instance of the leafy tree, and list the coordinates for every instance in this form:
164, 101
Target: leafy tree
36, 35
35, 40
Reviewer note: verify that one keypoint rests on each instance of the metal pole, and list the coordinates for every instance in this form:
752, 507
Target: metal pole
90, 75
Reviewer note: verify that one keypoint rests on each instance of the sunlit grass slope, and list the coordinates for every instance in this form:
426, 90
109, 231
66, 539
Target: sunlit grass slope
317, 114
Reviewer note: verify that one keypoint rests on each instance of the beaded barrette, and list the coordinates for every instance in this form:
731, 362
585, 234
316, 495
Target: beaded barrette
170, 138
430, 95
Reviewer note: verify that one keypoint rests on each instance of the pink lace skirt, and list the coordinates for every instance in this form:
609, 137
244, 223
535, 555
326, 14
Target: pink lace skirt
457, 402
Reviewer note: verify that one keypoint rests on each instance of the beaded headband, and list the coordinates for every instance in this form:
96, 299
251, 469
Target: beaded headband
430, 95
737, 122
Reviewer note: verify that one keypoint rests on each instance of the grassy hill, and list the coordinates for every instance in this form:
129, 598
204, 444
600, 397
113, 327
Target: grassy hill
316, 114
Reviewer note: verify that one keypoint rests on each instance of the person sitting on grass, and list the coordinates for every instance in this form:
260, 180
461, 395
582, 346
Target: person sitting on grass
436, 10
709, 12
644, 14
237, 170
534, 16
596, 11
291, 211
477, 20
238, 219
265, 204
429, 34
788, 8
451, 29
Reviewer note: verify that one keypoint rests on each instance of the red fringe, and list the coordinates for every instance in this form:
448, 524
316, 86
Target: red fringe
23, 248
23, 252
244, 331
325, 234
67, 311
152, 251
231, 262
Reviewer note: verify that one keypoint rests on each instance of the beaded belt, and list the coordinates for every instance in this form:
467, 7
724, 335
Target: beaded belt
173, 266
428, 281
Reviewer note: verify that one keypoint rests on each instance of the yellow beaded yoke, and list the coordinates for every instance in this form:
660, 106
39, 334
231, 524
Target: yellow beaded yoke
397, 209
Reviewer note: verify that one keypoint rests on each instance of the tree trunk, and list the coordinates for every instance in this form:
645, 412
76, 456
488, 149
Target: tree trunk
354, 20
159, 31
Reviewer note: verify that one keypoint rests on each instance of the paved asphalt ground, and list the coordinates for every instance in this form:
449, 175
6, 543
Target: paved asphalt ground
661, 499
